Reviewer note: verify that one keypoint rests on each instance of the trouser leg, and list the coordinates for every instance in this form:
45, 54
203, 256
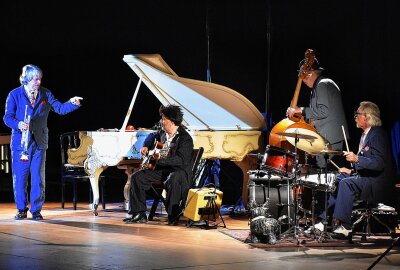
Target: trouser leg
37, 171
140, 183
348, 188
20, 174
177, 186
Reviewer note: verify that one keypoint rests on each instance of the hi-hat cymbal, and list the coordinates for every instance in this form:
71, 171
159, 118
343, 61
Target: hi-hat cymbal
312, 142
297, 135
327, 152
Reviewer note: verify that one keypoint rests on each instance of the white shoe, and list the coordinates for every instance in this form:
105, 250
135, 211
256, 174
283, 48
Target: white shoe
342, 230
319, 226
382, 207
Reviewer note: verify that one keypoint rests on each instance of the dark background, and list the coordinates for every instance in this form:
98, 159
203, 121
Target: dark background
254, 48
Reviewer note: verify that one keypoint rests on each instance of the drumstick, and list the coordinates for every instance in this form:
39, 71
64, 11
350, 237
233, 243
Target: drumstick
345, 140
334, 164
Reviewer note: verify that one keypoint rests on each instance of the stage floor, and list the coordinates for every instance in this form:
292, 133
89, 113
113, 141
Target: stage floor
68, 239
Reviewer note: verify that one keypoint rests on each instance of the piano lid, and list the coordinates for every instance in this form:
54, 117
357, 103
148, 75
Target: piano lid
206, 106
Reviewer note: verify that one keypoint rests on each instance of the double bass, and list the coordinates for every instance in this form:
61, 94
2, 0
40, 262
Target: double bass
296, 122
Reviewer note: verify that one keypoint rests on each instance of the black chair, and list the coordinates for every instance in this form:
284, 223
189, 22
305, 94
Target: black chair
75, 173
157, 186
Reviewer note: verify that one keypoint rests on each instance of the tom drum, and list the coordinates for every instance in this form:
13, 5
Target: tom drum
279, 161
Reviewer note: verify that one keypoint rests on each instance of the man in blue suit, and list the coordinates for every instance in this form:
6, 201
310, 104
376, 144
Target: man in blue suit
373, 172
27, 110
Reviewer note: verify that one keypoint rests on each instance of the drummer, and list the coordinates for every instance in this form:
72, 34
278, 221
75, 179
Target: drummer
373, 171
325, 110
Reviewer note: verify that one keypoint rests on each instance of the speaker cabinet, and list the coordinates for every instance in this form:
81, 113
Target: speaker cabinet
199, 204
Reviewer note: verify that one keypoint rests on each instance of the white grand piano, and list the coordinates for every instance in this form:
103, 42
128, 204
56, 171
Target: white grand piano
222, 121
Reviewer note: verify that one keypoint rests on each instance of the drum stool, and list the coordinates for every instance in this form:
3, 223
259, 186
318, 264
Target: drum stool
373, 221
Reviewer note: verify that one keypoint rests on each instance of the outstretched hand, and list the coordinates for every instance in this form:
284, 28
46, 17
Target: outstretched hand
76, 100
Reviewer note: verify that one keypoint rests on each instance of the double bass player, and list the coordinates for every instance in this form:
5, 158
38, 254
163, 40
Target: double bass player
325, 111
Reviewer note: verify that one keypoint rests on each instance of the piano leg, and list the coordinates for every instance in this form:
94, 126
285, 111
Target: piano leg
94, 182
129, 170
248, 163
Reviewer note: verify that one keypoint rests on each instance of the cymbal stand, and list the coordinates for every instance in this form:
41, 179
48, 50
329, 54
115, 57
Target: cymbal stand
295, 227
325, 236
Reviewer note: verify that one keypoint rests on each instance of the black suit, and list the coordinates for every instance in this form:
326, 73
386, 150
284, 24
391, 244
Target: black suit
174, 170
374, 176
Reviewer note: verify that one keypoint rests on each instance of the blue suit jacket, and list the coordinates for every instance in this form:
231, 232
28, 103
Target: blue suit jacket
375, 166
15, 111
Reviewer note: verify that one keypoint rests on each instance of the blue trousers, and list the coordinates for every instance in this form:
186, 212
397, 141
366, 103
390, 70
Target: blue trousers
348, 188
35, 167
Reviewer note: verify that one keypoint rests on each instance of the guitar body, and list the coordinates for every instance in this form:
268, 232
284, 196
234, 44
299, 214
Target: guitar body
150, 160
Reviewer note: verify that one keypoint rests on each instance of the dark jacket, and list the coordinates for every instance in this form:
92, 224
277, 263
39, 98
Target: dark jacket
376, 167
326, 110
180, 152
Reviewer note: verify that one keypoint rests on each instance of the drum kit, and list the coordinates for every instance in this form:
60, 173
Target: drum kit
278, 169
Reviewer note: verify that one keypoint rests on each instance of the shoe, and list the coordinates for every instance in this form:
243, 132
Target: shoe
138, 218
382, 207
173, 220
342, 230
128, 218
319, 226
37, 216
21, 214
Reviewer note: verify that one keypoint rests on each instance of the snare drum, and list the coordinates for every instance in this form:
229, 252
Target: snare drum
279, 161
319, 181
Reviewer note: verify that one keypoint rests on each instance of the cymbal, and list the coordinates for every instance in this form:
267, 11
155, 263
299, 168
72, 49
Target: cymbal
327, 152
297, 135
311, 141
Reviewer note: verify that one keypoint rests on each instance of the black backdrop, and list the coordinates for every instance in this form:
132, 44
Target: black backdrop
80, 46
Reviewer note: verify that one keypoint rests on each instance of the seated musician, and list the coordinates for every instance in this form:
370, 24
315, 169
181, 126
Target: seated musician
173, 167
372, 174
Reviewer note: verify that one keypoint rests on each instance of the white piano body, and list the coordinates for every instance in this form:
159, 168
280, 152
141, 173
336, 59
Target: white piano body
222, 121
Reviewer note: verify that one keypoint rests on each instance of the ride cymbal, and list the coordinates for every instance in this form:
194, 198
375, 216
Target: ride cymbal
308, 140
327, 152
297, 135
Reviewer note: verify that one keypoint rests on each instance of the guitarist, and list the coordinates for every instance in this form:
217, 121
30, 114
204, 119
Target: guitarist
173, 168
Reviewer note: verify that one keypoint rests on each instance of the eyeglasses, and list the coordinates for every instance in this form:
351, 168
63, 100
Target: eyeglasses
358, 113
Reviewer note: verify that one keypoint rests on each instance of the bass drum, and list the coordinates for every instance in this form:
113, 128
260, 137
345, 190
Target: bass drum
277, 192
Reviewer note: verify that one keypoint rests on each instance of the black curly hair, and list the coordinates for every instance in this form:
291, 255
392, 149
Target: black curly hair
173, 113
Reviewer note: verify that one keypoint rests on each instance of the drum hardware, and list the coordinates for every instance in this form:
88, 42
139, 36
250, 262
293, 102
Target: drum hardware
294, 228
325, 236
